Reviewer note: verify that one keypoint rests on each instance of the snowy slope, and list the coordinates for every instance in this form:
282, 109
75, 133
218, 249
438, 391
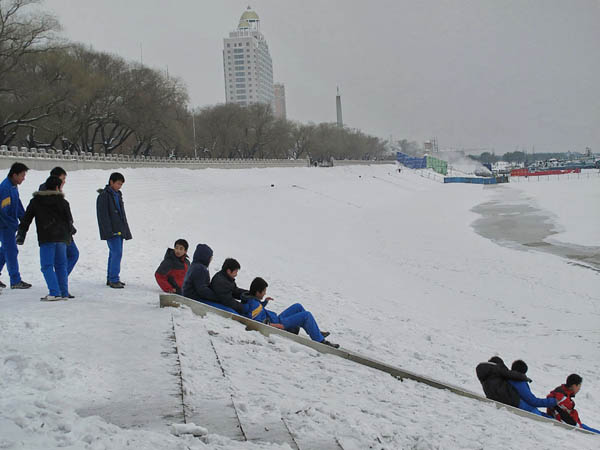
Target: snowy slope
388, 262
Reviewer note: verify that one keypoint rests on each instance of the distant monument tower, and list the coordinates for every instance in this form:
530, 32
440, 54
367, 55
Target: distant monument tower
338, 106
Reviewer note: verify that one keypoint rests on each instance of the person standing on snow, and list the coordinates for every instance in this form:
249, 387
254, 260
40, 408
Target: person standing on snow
72, 250
11, 211
113, 226
53, 222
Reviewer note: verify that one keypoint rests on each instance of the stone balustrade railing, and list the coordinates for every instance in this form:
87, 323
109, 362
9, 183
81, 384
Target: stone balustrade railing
42, 159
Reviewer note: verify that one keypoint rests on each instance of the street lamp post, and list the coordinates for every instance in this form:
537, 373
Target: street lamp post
194, 130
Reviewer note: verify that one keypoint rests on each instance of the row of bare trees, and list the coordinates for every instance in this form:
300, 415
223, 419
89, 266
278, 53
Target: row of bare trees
231, 131
55, 94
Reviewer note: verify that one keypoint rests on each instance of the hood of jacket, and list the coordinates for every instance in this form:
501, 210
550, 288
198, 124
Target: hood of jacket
107, 188
50, 194
202, 254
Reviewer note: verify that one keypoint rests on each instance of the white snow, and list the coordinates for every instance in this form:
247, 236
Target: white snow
386, 261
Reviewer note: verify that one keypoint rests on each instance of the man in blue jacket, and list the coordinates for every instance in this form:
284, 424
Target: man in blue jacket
113, 226
11, 211
291, 319
528, 401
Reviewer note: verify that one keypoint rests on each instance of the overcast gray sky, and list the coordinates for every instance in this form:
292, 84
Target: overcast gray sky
477, 74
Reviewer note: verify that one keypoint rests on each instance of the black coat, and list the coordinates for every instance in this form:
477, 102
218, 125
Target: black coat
226, 291
52, 215
494, 380
197, 279
44, 188
111, 222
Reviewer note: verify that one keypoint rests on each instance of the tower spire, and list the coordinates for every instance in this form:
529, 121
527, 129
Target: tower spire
338, 107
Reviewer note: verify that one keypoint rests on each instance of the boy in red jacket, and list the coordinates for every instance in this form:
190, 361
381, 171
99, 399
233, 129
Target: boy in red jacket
565, 411
171, 272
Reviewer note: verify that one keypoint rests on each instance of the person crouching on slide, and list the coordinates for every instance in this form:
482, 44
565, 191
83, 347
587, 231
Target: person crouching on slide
293, 318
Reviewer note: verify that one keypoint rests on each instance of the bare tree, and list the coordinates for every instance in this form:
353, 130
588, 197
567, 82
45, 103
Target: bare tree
23, 32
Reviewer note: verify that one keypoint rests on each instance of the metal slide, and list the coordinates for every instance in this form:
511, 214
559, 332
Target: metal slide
202, 309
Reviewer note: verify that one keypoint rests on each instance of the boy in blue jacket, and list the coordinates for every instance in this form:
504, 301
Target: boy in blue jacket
291, 319
529, 402
11, 212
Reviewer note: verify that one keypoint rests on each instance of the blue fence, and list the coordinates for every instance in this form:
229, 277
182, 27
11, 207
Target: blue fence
410, 161
472, 180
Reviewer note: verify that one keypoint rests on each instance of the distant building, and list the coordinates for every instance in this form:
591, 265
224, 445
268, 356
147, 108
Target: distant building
279, 101
247, 63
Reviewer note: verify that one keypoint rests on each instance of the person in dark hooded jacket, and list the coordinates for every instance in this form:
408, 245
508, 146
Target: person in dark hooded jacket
113, 226
72, 250
494, 376
197, 279
171, 272
53, 222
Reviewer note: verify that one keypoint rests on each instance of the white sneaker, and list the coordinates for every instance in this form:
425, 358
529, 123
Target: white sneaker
51, 298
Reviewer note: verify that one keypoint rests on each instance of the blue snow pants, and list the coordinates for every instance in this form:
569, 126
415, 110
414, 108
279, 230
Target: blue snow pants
585, 427
115, 253
296, 316
72, 256
9, 253
53, 259
532, 409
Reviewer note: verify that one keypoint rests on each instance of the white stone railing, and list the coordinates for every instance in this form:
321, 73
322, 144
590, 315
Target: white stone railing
41, 159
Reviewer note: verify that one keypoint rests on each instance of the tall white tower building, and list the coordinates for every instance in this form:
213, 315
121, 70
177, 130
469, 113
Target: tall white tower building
247, 63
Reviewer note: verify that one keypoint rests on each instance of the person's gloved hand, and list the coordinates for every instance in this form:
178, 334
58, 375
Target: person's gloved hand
20, 238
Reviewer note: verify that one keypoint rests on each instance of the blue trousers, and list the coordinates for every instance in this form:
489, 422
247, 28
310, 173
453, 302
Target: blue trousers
585, 427
53, 259
72, 256
296, 316
8, 254
115, 253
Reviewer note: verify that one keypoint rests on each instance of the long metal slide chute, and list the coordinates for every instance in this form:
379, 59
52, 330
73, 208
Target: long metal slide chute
202, 309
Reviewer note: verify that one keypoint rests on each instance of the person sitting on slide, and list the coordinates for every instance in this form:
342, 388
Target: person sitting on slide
528, 401
293, 318
225, 290
565, 411
197, 278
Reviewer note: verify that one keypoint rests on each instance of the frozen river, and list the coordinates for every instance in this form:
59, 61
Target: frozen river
511, 220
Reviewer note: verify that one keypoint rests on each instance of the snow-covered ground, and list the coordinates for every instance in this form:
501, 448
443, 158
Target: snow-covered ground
387, 262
